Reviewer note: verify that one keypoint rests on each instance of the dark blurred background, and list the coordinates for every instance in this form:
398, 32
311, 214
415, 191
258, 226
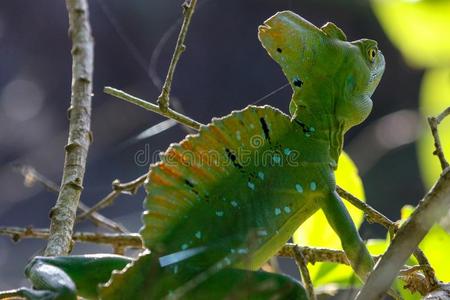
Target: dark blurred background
224, 68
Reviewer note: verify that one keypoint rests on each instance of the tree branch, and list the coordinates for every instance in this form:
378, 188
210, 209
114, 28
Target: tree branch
180, 118
433, 206
371, 213
302, 266
132, 240
434, 122
119, 188
80, 136
31, 176
188, 11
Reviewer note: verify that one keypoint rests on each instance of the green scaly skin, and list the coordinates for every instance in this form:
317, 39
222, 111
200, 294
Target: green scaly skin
224, 201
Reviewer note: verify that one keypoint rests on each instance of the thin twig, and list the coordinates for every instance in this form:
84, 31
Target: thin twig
180, 118
302, 266
188, 11
372, 214
132, 240
128, 188
375, 216
445, 113
32, 176
80, 136
100, 220
430, 209
434, 122
12, 294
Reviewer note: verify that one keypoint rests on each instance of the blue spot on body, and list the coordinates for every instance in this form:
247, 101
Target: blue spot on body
262, 232
277, 211
261, 175
313, 186
198, 234
242, 251
251, 185
287, 209
238, 135
234, 203
276, 158
184, 246
219, 213
299, 188
287, 151
312, 129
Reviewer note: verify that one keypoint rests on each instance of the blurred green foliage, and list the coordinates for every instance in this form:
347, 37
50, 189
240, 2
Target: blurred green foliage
434, 98
419, 29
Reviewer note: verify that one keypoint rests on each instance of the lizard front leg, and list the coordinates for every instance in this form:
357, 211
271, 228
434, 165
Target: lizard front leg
341, 222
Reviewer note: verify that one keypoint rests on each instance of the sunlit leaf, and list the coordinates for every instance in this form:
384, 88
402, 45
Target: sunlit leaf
419, 28
317, 232
434, 98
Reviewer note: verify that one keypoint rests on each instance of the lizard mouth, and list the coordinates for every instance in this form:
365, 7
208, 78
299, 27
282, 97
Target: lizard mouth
264, 28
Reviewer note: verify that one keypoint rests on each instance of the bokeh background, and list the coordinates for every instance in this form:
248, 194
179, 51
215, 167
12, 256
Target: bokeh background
224, 68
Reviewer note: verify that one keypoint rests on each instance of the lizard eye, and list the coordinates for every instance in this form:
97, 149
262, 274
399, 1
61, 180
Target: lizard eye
372, 53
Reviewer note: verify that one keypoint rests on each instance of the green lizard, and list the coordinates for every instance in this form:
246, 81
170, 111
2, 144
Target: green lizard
223, 201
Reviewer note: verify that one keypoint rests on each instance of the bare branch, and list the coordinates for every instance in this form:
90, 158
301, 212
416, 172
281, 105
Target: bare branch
80, 135
32, 176
313, 255
180, 118
430, 209
100, 220
372, 214
444, 114
12, 294
128, 188
434, 122
132, 240
188, 11
302, 266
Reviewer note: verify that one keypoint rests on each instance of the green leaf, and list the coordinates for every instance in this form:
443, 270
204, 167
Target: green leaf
420, 29
434, 98
317, 232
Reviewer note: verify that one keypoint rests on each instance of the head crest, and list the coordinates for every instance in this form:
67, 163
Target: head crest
331, 30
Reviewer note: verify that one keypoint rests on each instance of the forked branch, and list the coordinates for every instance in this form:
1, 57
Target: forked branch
188, 11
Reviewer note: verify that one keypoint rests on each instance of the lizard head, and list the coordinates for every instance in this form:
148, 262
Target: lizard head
329, 75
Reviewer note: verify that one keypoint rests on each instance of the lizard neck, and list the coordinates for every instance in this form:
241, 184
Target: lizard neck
320, 126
